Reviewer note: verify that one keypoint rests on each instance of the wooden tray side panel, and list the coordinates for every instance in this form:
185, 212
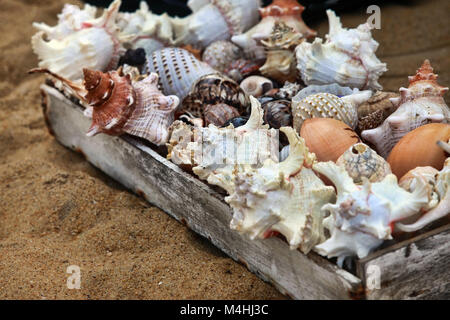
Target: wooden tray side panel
194, 203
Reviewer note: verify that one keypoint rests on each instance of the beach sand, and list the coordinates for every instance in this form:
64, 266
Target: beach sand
57, 210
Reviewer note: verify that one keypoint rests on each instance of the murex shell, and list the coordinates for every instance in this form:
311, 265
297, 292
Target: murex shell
347, 57
420, 104
79, 42
286, 11
362, 162
284, 197
327, 105
361, 218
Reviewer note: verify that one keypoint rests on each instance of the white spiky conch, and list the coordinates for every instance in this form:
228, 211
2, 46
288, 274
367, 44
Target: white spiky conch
347, 57
286, 197
361, 218
96, 45
421, 103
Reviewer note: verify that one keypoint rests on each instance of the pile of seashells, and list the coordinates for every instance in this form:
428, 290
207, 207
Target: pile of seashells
352, 166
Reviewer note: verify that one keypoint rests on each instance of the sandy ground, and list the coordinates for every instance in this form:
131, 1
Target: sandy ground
57, 210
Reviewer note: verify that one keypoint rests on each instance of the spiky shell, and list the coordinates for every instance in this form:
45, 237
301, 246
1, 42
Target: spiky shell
326, 105
95, 46
420, 104
347, 57
285, 197
362, 162
288, 91
221, 54
154, 112
362, 216
215, 20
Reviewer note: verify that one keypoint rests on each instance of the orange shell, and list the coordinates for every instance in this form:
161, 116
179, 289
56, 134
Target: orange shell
327, 138
418, 148
425, 75
282, 8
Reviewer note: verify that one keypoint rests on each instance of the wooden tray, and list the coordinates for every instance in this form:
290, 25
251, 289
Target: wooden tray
417, 268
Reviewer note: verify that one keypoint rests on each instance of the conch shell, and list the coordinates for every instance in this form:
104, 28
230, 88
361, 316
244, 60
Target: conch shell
284, 197
362, 216
347, 57
96, 45
420, 104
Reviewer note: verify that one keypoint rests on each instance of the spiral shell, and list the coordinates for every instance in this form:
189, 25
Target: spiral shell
219, 114
277, 113
256, 85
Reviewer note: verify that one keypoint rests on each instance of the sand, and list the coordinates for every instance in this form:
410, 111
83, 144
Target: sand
57, 210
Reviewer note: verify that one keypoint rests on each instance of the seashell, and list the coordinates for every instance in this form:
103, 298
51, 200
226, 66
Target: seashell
178, 70
285, 197
221, 54
288, 91
442, 209
214, 20
286, 11
280, 63
428, 176
421, 103
256, 85
236, 122
334, 88
444, 146
326, 105
277, 113
371, 121
327, 138
380, 100
418, 148
361, 218
347, 57
241, 68
153, 113
182, 143
284, 153
362, 162
97, 45
219, 114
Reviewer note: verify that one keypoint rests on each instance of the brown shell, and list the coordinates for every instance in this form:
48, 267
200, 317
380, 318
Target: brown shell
277, 113
379, 101
219, 114
419, 148
327, 138
371, 121
214, 89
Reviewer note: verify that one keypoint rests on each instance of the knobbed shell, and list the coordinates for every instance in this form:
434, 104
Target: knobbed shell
256, 85
347, 57
326, 105
420, 104
277, 113
419, 148
362, 162
361, 218
327, 138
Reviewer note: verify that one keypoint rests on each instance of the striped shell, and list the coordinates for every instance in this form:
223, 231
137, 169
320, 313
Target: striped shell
277, 113
219, 114
362, 162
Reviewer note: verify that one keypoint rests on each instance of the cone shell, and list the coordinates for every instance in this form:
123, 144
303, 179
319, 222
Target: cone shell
419, 149
362, 162
327, 138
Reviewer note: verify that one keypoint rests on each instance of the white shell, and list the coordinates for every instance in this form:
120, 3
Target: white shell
362, 216
256, 85
284, 197
334, 88
347, 57
95, 46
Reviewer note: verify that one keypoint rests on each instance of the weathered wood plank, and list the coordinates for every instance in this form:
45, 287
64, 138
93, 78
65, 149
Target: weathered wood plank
418, 268
191, 201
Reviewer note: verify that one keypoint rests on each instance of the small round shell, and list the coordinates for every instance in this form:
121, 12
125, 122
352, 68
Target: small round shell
256, 85
219, 114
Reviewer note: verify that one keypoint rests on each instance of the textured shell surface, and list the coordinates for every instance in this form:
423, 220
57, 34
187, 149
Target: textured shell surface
178, 70
421, 103
360, 161
326, 105
241, 68
97, 45
153, 113
334, 88
277, 113
182, 143
284, 197
214, 20
347, 57
380, 101
286, 11
288, 90
442, 188
361, 218
218, 114
221, 54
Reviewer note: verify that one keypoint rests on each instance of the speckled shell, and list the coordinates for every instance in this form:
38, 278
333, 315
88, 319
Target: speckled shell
95, 46
284, 197
219, 114
371, 121
347, 57
154, 112
326, 105
362, 162
277, 113
221, 54
362, 216
256, 85
420, 104
380, 101
178, 70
